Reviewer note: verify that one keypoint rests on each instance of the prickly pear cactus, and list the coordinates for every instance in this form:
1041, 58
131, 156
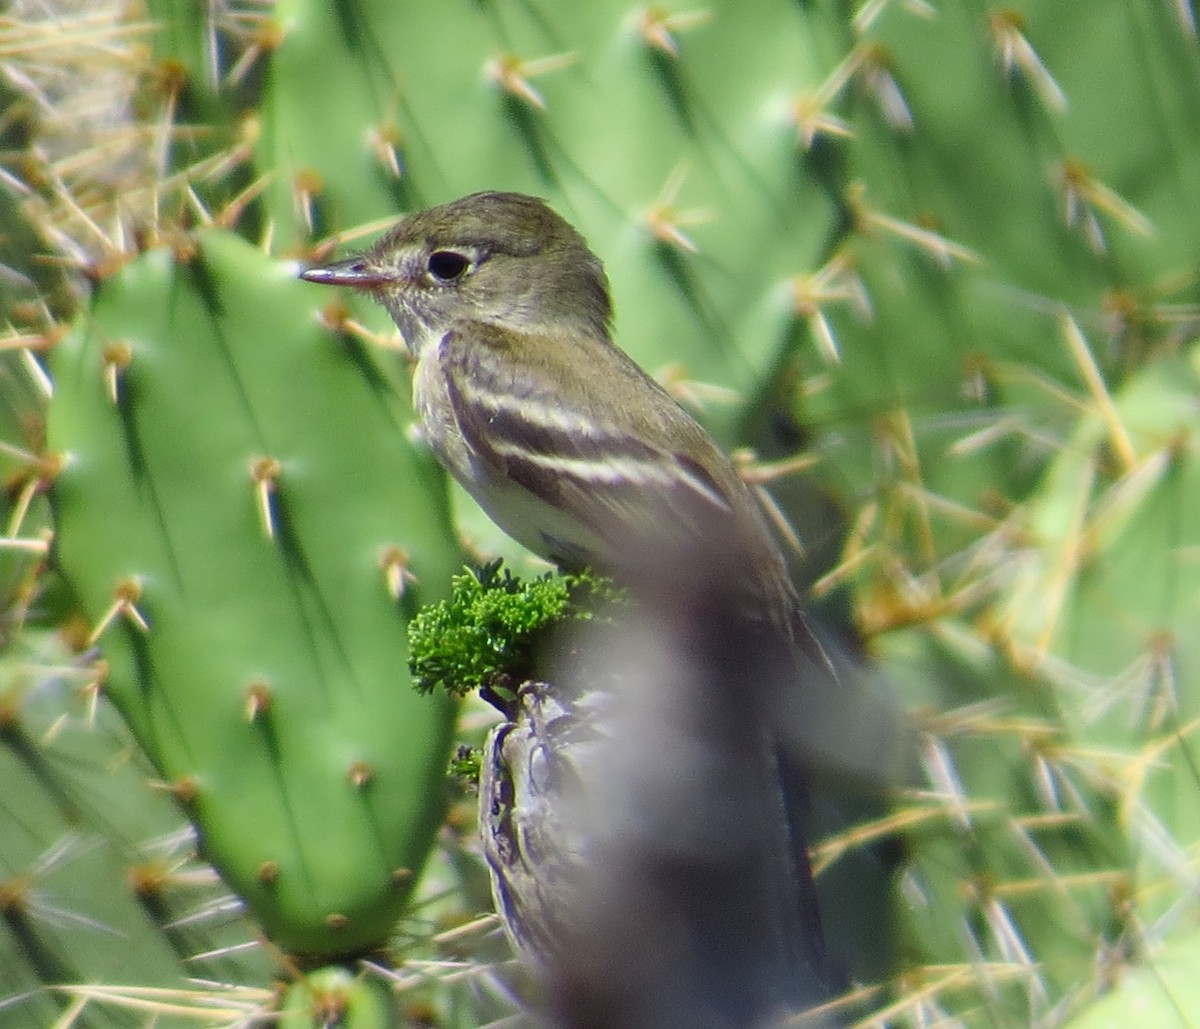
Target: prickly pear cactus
1106, 598
99, 884
246, 524
937, 261
1021, 332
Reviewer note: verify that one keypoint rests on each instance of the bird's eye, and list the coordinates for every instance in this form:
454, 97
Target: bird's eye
448, 265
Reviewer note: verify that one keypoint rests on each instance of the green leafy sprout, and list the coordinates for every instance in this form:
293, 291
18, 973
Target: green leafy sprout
487, 635
466, 765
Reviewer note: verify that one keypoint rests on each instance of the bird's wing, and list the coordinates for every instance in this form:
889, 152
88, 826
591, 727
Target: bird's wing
612, 472
618, 474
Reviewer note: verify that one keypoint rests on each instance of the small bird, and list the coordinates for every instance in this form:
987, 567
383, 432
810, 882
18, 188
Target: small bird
561, 438
582, 457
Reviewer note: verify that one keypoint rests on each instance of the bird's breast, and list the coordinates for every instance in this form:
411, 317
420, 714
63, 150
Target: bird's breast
531, 520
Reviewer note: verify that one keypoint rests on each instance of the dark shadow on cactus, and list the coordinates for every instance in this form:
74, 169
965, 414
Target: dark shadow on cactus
210, 295
381, 77
770, 424
265, 727
135, 452
775, 430
131, 439
706, 130
309, 601
325, 219
402, 189
24, 279
351, 22
183, 941
148, 735
555, 40
46, 965
524, 121
206, 289
667, 73
675, 264
356, 353
824, 163
15, 738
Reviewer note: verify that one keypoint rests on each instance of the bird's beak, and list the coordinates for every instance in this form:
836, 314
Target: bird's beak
357, 272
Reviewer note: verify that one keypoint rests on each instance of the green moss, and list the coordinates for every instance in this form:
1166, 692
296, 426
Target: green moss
466, 765
487, 634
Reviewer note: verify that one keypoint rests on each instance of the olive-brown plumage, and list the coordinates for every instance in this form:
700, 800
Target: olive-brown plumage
562, 439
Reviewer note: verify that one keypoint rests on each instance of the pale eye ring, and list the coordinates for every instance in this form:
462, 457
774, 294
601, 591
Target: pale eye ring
447, 265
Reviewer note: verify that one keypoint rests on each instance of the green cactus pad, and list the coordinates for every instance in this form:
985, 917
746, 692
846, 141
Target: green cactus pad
1017, 870
1165, 993
246, 522
1107, 602
95, 872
